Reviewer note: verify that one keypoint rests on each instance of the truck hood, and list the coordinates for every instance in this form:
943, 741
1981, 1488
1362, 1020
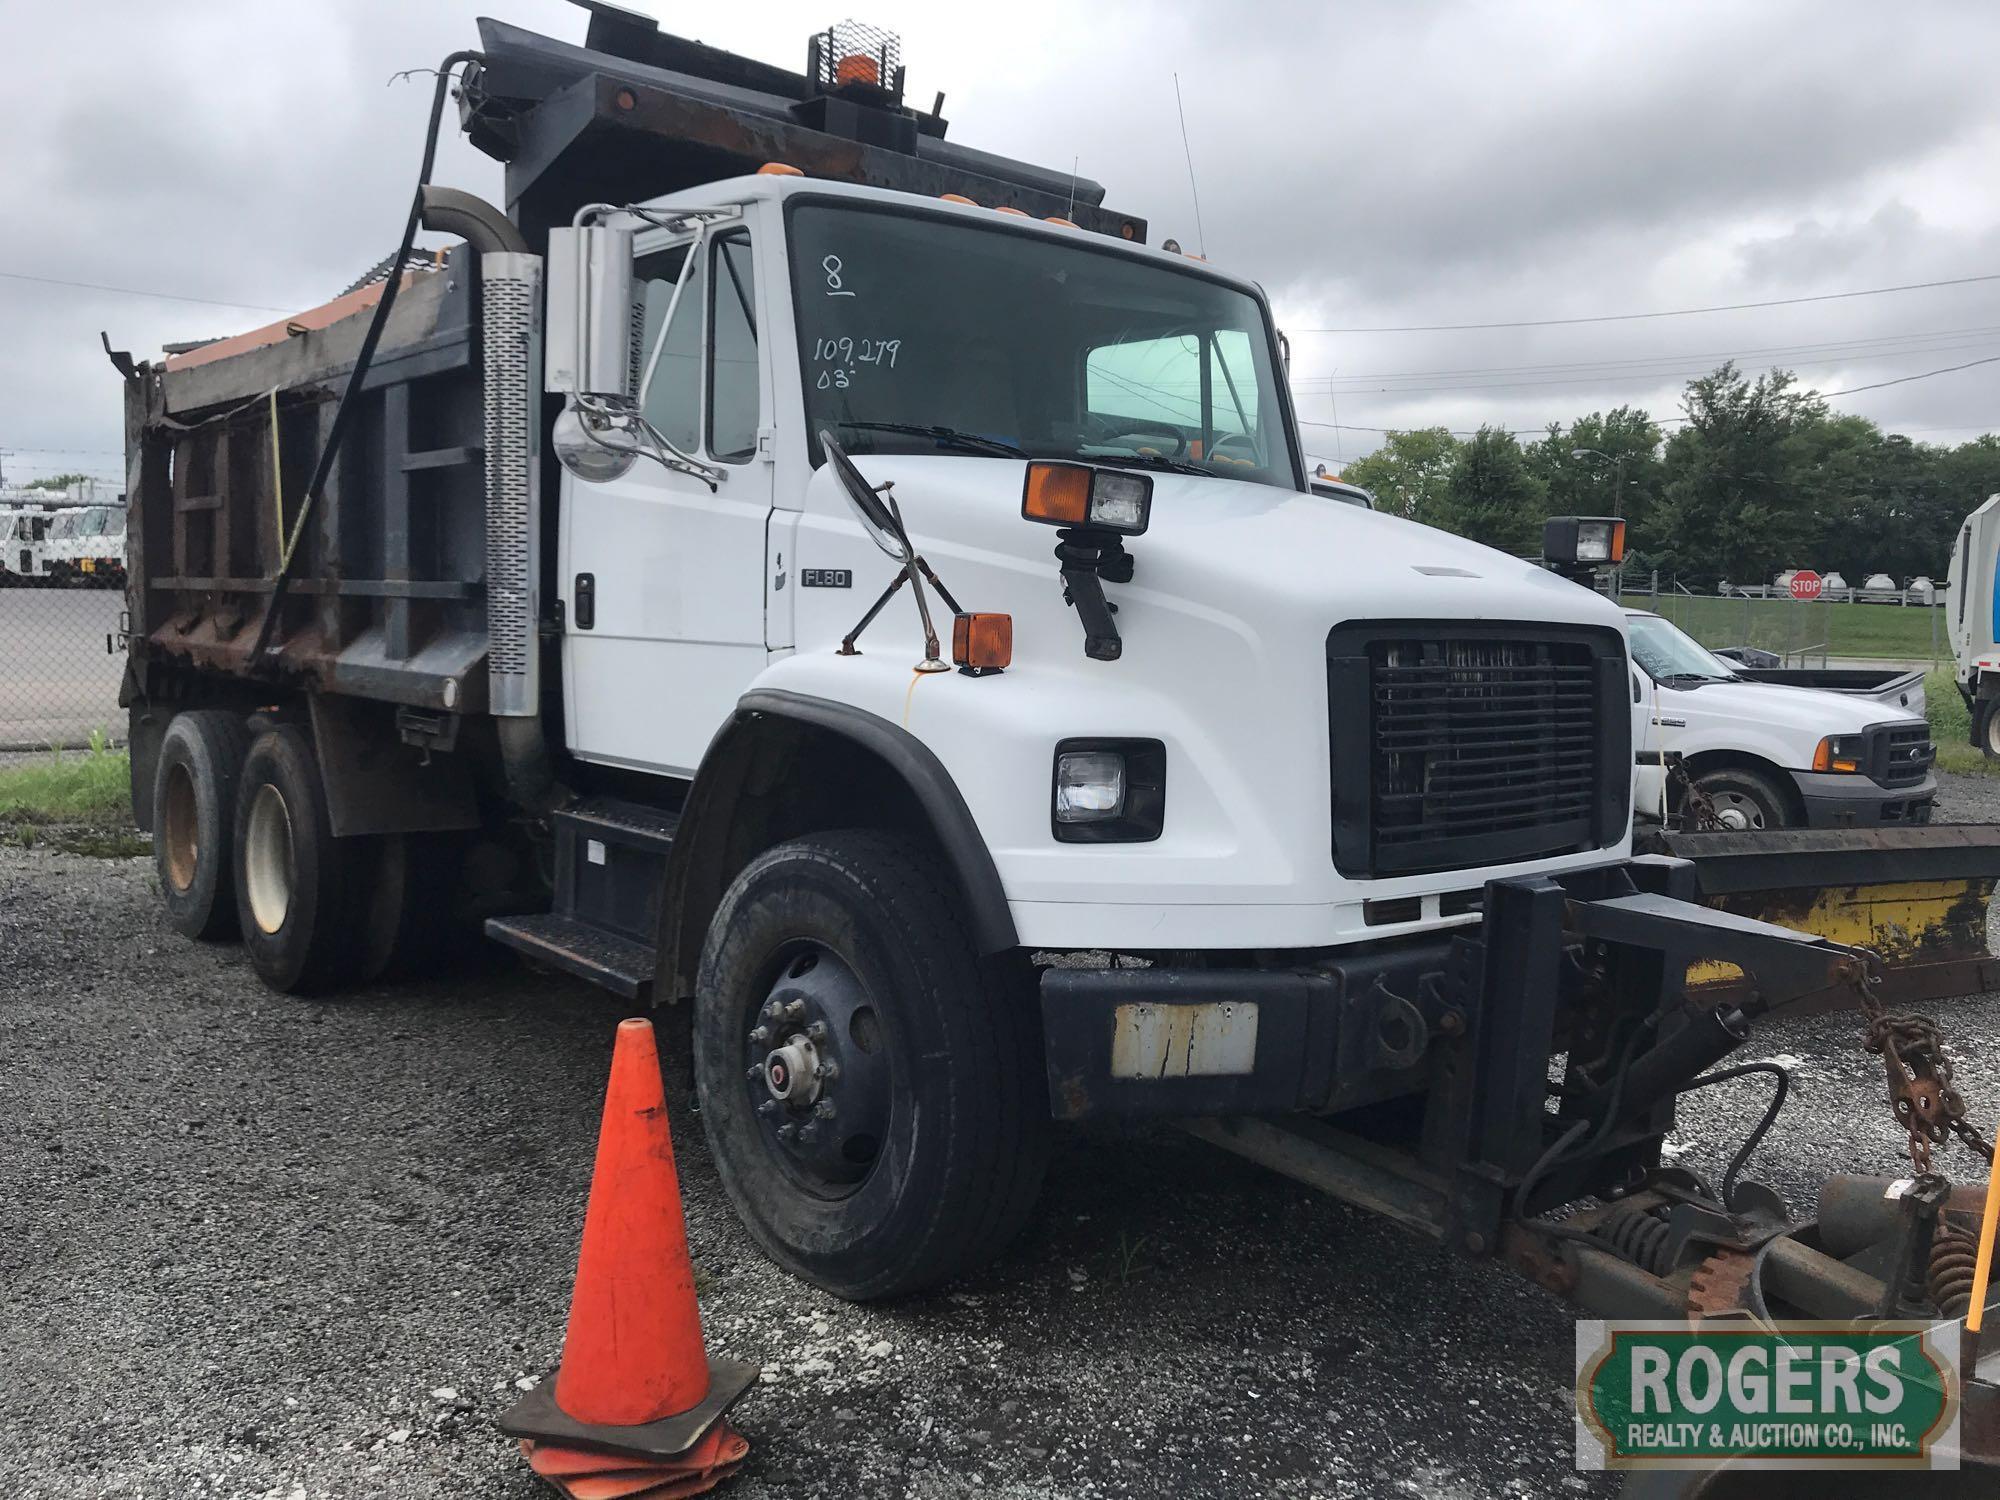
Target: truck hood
1772, 706
1247, 550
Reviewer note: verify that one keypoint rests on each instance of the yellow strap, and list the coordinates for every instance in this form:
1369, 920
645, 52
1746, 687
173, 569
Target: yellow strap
1983, 1268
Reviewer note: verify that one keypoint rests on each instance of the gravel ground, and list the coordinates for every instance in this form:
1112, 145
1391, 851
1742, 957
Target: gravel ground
261, 1247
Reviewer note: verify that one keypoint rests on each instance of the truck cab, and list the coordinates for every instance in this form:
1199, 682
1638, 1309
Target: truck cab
950, 350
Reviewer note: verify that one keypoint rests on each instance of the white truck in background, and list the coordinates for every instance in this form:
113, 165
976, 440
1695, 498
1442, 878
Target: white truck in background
86, 547
1975, 621
1766, 754
24, 529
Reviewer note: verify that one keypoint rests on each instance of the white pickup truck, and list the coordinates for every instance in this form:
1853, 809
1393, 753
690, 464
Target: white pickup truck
1767, 755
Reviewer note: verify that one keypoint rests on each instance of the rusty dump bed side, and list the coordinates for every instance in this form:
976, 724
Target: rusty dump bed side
387, 593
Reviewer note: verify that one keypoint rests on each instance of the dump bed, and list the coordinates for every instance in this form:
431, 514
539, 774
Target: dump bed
387, 593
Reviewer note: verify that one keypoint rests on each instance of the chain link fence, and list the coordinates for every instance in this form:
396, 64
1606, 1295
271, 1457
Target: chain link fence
1804, 633
58, 684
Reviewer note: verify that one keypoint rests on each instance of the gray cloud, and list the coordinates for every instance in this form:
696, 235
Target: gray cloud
1372, 164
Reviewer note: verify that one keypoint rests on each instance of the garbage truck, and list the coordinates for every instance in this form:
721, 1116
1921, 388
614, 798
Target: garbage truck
789, 566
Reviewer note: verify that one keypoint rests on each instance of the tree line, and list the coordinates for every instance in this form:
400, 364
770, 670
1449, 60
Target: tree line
1756, 475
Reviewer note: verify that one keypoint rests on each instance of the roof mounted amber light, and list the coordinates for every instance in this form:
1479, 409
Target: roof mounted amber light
1076, 495
779, 169
1008, 208
958, 198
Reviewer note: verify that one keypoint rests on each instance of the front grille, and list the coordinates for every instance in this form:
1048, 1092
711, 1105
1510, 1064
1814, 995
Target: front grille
1466, 745
1905, 756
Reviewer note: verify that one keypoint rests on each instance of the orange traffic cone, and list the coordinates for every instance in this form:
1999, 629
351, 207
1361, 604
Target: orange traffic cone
636, 1406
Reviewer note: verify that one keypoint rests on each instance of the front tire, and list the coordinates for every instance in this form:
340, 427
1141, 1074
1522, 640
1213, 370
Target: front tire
871, 1088
295, 882
1746, 800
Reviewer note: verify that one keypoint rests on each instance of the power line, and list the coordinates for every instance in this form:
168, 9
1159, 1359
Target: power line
1853, 390
1905, 380
1578, 366
132, 291
1678, 312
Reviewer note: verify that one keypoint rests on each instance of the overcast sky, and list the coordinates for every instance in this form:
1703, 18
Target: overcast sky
1374, 165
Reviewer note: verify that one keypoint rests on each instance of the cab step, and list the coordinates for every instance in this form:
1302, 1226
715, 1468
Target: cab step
607, 960
611, 857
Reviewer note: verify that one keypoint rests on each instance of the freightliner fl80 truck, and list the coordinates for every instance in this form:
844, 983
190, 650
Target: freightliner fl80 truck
851, 585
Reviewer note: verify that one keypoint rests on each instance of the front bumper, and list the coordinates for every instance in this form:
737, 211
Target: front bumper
1842, 801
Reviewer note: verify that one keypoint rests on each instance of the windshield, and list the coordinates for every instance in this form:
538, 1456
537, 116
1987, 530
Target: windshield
991, 341
1666, 652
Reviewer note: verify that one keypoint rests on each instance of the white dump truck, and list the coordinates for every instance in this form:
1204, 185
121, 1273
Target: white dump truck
794, 568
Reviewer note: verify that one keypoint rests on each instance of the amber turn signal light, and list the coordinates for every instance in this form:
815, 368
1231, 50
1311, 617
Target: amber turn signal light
1058, 494
983, 643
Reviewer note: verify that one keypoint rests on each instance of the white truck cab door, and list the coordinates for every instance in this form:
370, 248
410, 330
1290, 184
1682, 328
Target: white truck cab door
662, 578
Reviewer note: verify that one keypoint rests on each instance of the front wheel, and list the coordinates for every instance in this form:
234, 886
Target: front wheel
1745, 800
871, 1088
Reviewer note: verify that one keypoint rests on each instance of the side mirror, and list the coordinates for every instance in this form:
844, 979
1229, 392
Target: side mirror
591, 317
875, 509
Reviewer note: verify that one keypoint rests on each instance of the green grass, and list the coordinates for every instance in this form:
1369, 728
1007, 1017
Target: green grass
90, 786
1784, 626
1951, 727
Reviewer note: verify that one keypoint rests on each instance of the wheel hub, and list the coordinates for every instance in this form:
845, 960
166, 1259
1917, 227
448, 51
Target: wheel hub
817, 1072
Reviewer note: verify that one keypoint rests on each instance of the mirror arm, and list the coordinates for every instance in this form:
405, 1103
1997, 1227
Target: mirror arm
847, 646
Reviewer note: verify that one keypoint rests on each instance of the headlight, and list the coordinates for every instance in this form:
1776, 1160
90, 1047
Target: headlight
1109, 791
1078, 495
1841, 752
1583, 539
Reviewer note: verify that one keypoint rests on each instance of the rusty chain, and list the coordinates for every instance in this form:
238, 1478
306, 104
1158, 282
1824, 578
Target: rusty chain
1919, 1072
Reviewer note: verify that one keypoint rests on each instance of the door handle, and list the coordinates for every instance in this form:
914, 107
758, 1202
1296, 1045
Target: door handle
586, 601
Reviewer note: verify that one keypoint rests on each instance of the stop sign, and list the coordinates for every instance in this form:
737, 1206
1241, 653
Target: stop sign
1806, 584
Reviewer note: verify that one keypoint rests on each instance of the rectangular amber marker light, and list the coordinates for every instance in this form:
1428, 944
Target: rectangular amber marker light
1058, 494
983, 641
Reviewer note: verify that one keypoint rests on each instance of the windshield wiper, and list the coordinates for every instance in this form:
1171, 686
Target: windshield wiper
1149, 461
1679, 677
944, 437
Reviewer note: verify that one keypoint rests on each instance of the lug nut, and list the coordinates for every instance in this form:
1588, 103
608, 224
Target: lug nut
768, 1107
824, 1109
787, 1131
773, 1009
827, 1070
817, 1031
756, 1074
808, 1130
795, 1009
760, 1034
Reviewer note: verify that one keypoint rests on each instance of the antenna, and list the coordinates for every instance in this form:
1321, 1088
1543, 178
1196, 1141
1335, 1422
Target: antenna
1074, 163
1201, 239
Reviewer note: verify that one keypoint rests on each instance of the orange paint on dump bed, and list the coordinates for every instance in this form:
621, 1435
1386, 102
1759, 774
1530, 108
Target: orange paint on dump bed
312, 319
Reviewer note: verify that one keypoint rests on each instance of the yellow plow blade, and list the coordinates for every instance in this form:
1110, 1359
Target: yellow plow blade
1918, 897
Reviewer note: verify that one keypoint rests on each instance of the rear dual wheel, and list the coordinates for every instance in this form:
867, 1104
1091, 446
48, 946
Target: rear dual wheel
296, 885
194, 819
